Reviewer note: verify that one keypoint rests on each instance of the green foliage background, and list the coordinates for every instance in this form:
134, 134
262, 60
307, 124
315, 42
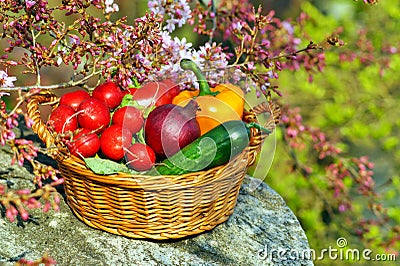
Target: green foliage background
356, 105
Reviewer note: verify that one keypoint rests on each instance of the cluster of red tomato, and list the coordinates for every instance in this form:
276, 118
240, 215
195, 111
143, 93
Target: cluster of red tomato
101, 125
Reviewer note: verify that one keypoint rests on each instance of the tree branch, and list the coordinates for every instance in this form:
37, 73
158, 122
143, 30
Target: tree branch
69, 84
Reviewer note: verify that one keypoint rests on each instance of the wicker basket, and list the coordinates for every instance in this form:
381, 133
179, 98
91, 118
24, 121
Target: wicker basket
152, 207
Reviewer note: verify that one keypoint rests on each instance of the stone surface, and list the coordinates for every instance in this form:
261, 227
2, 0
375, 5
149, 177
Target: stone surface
261, 226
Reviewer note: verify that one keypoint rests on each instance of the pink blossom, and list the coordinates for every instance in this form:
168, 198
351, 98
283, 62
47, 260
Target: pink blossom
5, 80
176, 12
111, 6
30, 3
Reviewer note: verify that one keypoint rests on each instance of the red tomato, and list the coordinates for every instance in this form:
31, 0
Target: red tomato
93, 114
140, 157
63, 119
74, 98
155, 93
109, 93
84, 144
128, 117
114, 140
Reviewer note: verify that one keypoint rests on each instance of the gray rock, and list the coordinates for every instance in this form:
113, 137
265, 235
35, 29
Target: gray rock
261, 228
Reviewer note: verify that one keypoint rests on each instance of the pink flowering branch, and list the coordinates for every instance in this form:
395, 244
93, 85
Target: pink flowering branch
70, 84
45, 260
370, 2
92, 46
22, 150
364, 51
263, 44
301, 138
17, 202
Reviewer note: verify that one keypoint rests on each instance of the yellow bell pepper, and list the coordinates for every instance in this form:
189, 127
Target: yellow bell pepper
216, 105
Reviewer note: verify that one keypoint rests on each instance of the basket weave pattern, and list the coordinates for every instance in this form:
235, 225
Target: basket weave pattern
152, 207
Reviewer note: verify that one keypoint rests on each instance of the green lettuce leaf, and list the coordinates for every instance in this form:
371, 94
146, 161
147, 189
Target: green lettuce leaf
106, 167
128, 100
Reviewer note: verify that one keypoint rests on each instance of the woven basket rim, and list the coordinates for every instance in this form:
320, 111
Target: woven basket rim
141, 180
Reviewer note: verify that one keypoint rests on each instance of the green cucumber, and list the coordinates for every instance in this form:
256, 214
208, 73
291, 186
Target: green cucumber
214, 148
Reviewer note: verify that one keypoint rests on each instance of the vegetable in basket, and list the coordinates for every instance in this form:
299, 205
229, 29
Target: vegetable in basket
62, 119
109, 93
169, 127
214, 148
154, 93
217, 105
74, 98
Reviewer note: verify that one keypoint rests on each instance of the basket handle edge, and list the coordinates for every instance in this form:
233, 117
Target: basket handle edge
38, 126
